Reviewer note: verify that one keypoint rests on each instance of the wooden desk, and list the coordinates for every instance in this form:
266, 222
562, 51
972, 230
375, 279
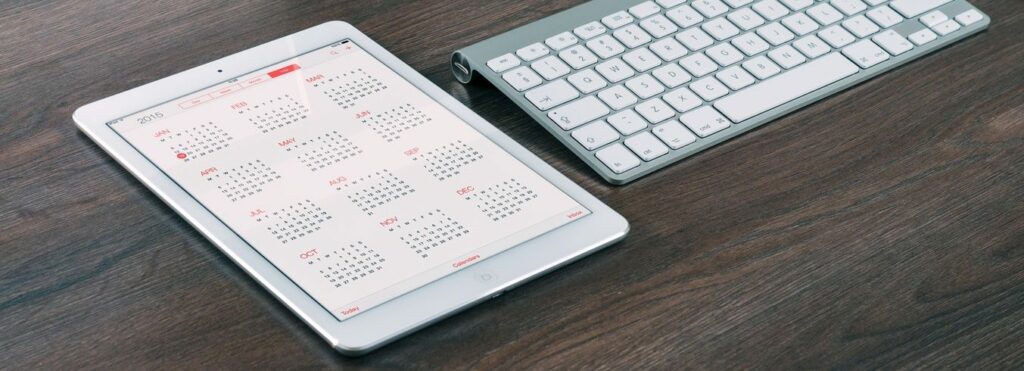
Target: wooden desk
882, 227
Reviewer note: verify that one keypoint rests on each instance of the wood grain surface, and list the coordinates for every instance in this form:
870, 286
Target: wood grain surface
881, 228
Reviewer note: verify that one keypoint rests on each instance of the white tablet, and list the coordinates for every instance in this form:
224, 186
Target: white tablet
362, 196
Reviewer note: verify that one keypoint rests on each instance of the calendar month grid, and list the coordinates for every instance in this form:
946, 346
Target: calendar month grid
349, 179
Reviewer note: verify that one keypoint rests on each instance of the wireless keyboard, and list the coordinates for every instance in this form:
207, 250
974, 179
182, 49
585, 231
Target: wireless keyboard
633, 86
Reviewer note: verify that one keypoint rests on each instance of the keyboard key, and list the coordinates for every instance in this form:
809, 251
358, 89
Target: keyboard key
632, 36
668, 49
503, 63
893, 42
605, 46
750, 43
761, 67
645, 86
800, 24
947, 27
655, 110
720, 28
674, 134
561, 41
850, 7
615, 70
860, 26
913, 8
644, 9
587, 81
746, 18
695, 39
595, 135
698, 65
682, 99
670, 3
865, 53
617, 158
725, 54
646, 146
578, 112
659, 26
837, 36
710, 8
770, 9
735, 78
787, 57
824, 14
617, 19
923, 37
738, 3
885, 16
618, 97
811, 46
933, 19
551, 67
552, 94
671, 75
578, 56
775, 33
684, 16
704, 121
589, 30
532, 51
969, 17
709, 88
522, 78
875, 2
797, 4
785, 87
642, 59
627, 122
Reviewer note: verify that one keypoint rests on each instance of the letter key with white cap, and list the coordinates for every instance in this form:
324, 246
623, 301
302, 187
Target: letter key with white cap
635, 85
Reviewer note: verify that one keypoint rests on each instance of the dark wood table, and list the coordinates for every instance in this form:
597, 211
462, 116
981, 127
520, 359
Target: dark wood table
883, 227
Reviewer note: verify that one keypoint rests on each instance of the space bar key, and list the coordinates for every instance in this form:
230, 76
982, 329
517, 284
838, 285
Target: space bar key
786, 87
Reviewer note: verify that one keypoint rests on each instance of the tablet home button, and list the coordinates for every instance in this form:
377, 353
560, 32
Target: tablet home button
485, 277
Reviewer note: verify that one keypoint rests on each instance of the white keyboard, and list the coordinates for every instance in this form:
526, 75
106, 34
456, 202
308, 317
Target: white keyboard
633, 90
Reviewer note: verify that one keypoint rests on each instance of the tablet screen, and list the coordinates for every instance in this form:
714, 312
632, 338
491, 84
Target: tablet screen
349, 179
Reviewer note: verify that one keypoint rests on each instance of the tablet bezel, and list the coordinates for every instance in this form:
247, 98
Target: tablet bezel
409, 312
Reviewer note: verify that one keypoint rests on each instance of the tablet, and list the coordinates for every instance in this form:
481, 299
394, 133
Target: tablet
362, 196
